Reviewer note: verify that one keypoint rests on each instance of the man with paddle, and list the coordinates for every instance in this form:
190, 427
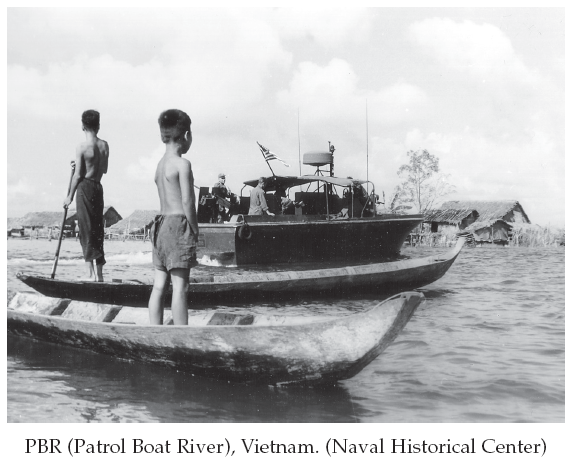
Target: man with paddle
175, 231
91, 162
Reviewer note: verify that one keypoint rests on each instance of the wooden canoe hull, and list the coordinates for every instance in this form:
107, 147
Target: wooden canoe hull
385, 278
319, 352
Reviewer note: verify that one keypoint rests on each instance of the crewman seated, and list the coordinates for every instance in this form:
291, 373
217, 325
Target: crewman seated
222, 192
287, 205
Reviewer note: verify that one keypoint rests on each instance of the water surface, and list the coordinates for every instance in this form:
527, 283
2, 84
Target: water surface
487, 346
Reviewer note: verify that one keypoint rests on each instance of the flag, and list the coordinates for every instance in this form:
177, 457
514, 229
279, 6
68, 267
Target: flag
269, 156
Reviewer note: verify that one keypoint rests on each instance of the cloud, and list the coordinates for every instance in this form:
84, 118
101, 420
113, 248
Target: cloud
494, 88
219, 66
144, 168
24, 196
328, 27
322, 91
100, 82
473, 97
479, 49
332, 92
20, 188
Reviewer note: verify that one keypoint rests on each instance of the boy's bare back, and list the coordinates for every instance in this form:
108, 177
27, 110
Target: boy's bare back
93, 156
174, 179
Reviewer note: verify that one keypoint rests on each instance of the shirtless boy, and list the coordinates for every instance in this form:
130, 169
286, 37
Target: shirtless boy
91, 159
176, 229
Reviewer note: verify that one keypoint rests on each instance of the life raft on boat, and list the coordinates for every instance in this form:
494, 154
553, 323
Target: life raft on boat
236, 347
385, 278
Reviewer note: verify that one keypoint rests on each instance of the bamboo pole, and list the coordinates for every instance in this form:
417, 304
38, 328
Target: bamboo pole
63, 223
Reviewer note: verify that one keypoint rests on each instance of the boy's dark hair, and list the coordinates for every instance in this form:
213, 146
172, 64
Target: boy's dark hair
173, 125
90, 119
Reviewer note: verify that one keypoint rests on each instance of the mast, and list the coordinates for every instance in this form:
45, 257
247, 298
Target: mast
270, 167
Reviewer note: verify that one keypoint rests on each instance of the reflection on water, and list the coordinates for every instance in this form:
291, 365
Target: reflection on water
487, 346
84, 386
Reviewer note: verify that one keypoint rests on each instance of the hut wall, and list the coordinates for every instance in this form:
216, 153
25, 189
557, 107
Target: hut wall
498, 232
447, 229
439, 227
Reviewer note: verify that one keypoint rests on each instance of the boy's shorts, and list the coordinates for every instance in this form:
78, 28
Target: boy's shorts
173, 243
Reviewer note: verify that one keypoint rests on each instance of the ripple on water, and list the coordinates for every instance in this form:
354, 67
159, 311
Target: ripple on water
488, 346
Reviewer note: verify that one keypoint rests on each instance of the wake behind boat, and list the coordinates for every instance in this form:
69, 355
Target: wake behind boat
389, 277
226, 346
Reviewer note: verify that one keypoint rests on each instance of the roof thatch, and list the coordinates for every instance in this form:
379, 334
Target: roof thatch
42, 219
15, 223
477, 225
140, 219
449, 216
72, 213
489, 211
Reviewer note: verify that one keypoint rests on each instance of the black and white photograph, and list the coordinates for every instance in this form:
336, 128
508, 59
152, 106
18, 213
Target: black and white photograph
287, 215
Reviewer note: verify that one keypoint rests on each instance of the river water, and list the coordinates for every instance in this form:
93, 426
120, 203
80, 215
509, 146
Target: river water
486, 346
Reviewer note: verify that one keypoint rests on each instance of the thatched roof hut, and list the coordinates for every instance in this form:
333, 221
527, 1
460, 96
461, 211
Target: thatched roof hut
15, 226
491, 211
139, 221
42, 219
110, 216
15, 223
487, 221
457, 217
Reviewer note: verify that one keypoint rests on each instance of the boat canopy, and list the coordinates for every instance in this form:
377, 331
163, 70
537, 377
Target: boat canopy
286, 182
340, 181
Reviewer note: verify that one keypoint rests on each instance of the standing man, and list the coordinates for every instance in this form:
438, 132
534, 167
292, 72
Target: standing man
258, 204
91, 160
175, 231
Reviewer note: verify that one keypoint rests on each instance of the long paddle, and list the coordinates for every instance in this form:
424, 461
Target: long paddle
62, 228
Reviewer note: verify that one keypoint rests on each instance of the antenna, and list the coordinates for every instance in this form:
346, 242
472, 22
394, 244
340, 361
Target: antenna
299, 159
366, 147
332, 149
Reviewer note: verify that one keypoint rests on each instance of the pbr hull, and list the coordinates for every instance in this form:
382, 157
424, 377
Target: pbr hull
305, 239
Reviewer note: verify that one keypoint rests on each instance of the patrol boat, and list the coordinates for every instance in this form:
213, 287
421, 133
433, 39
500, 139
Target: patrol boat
330, 219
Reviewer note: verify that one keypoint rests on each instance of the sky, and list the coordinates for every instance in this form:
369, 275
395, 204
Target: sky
482, 89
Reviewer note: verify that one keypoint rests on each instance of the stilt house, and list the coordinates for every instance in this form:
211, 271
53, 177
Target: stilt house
489, 222
43, 223
15, 228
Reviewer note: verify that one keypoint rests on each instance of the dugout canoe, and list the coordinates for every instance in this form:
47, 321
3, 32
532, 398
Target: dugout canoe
387, 278
235, 347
